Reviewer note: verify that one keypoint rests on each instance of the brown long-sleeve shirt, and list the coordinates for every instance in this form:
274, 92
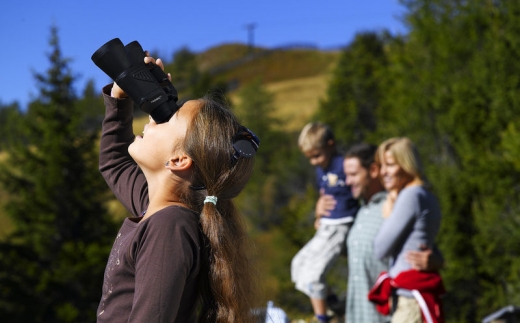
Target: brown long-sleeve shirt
153, 268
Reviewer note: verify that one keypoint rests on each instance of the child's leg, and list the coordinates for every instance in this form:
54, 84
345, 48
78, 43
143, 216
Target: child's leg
314, 260
319, 306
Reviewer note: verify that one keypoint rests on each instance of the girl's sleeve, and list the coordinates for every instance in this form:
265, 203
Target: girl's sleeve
119, 170
165, 261
397, 226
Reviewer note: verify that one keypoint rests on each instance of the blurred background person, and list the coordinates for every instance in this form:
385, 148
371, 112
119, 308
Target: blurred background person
412, 220
311, 264
363, 177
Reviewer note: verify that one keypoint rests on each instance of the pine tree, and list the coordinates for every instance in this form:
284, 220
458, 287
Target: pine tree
52, 264
91, 108
451, 84
277, 172
279, 199
453, 91
9, 116
354, 92
184, 69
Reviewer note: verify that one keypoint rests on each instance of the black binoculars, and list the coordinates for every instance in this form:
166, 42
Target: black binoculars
146, 84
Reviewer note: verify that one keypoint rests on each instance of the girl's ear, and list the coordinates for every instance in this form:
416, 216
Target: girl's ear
179, 162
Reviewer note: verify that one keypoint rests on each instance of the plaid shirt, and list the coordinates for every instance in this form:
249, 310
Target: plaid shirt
363, 267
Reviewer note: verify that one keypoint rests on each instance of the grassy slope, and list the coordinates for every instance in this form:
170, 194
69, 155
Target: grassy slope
297, 78
297, 100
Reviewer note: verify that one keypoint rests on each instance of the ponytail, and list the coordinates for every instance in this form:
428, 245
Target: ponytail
226, 285
229, 283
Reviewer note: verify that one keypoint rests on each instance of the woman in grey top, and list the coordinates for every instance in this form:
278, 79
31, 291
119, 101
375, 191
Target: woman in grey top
412, 216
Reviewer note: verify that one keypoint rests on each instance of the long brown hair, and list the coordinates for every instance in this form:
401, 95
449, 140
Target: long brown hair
226, 285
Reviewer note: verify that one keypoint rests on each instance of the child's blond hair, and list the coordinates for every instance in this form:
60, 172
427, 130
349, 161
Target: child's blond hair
315, 135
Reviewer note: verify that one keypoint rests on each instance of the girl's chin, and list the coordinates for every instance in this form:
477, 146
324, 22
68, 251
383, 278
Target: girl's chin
131, 149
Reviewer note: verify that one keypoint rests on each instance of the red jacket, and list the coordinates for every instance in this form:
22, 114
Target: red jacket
426, 287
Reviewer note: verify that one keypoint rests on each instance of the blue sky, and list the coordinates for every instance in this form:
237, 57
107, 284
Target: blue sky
166, 26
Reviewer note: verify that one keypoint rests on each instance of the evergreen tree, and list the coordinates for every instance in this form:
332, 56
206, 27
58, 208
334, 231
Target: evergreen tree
454, 78
451, 85
189, 80
90, 107
9, 116
184, 69
268, 188
354, 92
279, 198
52, 264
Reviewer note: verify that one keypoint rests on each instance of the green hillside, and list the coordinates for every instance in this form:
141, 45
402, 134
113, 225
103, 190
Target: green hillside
297, 78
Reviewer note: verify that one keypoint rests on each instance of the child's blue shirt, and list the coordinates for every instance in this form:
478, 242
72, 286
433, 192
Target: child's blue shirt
333, 181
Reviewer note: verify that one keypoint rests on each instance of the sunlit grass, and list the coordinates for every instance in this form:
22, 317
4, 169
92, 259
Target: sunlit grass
297, 100
294, 101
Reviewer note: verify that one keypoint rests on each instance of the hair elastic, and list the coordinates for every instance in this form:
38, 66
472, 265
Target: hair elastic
210, 199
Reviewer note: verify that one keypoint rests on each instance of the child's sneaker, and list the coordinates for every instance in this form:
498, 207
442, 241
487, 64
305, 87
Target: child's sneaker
336, 305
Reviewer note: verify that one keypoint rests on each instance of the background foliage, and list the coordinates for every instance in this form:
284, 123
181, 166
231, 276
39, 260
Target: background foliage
53, 259
451, 84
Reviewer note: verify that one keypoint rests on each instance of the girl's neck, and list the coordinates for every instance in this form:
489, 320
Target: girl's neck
161, 195
163, 191
154, 208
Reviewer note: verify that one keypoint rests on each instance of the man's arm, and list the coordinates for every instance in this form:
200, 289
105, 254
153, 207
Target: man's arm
426, 259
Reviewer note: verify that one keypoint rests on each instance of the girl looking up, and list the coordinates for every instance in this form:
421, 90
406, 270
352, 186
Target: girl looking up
183, 255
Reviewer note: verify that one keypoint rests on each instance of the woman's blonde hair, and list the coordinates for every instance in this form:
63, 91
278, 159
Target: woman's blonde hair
405, 154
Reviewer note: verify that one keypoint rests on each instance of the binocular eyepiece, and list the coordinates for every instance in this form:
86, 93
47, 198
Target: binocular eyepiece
146, 84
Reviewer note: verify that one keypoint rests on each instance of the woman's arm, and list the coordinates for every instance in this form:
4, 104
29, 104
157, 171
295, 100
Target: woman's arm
119, 170
397, 226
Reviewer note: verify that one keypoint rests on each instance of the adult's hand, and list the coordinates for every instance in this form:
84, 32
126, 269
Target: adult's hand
425, 259
317, 223
388, 204
325, 204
